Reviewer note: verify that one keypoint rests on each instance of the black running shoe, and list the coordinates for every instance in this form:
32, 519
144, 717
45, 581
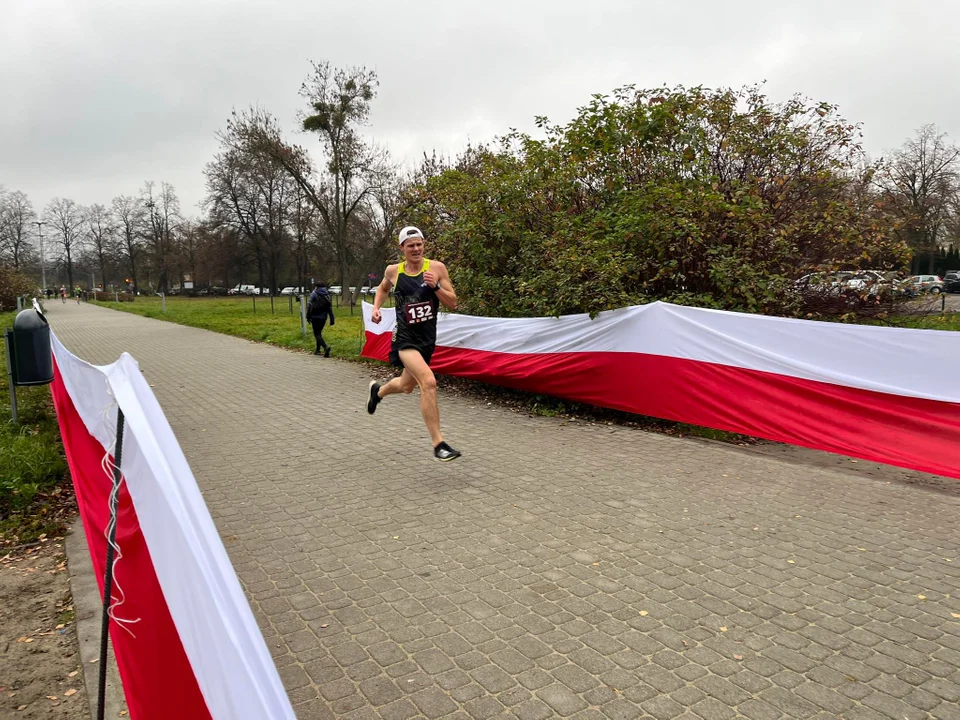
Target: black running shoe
445, 453
374, 399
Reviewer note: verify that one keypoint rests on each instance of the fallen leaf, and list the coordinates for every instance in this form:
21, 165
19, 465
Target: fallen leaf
792, 562
921, 597
948, 559
644, 613
22, 707
61, 626
738, 657
723, 629
324, 626
70, 692
22, 639
595, 564
94, 660
956, 615
73, 674
52, 697
862, 549
26, 640
396, 537
122, 713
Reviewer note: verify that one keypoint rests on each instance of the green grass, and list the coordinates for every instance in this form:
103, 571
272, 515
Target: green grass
32, 467
236, 316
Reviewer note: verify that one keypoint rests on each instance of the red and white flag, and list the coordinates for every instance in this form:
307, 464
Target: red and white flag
890, 395
186, 642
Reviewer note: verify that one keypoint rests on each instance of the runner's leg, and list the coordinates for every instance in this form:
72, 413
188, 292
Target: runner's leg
403, 383
414, 363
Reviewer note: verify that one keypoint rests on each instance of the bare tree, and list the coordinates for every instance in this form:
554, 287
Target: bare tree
253, 193
17, 218
102, 240
233, 200
921, 181
163, 219
303, 217
130, 215
339, 104
67, 220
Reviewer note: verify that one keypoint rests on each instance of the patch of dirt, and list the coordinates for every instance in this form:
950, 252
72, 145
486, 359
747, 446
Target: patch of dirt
41, 677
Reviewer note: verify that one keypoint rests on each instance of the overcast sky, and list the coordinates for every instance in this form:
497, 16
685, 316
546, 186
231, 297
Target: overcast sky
100, 95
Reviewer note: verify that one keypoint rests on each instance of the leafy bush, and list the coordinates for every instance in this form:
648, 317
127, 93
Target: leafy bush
712, 198
12, 285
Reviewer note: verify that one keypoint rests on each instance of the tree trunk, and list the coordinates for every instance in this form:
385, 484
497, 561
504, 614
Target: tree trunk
69, 269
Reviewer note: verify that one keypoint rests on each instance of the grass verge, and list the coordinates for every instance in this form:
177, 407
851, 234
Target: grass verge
35, 496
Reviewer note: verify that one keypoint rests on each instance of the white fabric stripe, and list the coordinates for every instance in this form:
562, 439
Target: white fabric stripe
229, 658
899, 361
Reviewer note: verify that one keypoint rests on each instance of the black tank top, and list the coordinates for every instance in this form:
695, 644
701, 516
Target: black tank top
417, 305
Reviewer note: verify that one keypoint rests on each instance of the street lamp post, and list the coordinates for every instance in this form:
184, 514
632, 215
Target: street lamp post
43, 269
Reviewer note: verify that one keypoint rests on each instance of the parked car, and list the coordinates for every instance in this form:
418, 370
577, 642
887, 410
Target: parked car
951, 281
335, 290
241, 290
823, 283
866, 281
927, 283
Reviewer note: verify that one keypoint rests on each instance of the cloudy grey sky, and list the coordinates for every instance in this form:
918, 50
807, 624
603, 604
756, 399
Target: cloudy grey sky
100, 95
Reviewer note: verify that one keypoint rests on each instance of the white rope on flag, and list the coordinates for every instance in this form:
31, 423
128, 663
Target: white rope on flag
108, 466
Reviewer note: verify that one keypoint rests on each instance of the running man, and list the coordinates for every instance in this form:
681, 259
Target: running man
419, 285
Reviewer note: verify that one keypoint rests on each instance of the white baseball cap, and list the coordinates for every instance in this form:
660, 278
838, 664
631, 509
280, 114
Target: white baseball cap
408, 232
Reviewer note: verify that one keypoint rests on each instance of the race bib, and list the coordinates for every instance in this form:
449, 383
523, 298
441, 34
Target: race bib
418, 312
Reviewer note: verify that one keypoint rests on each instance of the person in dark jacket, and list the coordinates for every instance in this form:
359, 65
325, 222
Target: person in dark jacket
319, 307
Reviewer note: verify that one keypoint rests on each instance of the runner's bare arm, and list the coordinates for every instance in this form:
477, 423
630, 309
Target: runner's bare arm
445, 292
383, 290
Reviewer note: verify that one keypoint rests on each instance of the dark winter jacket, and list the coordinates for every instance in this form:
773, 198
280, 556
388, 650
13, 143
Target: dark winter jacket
319, 306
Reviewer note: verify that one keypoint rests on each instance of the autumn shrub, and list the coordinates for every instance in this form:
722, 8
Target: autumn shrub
715, 198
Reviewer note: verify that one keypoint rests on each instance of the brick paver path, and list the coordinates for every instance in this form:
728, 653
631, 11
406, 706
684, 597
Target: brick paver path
558, 569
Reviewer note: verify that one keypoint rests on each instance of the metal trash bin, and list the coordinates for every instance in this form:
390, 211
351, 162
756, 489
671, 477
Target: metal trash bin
32, 355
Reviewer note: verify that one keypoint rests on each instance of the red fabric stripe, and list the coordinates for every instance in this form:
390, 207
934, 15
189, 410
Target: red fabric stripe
377, 347
157, 678
909, 432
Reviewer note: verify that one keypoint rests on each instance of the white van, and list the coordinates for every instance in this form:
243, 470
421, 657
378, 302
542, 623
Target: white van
242, 290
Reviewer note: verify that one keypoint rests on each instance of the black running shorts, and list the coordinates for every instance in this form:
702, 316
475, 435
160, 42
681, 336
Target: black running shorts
425, 350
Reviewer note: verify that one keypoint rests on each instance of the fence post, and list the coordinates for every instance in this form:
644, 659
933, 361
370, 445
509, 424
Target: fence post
303, 316
8, 340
